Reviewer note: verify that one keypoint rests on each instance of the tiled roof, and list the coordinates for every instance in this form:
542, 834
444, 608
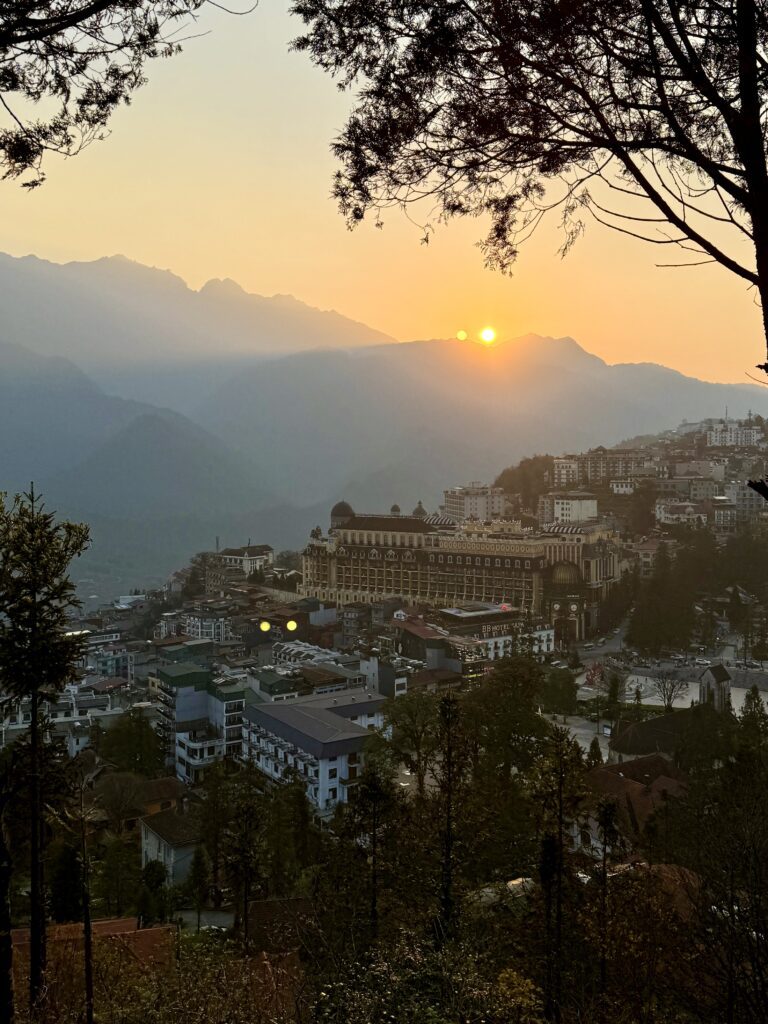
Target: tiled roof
394, 524
248, 550
639, 786
173, 828
313, 729
719, 673
662, 733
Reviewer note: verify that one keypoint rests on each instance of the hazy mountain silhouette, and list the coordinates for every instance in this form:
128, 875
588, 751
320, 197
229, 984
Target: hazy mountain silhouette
148, 480
134, 328
434, 413
159, 466
273, 441
51, 415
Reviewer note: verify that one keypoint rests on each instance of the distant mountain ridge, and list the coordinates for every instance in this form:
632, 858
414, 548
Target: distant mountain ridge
435, 413
262, 446
117, 317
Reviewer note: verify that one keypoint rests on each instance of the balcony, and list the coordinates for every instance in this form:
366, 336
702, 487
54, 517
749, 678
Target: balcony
200, 748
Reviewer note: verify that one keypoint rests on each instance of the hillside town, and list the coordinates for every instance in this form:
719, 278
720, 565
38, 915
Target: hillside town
239, 657
623, 583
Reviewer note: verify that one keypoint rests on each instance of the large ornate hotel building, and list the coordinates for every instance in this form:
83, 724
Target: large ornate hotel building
562, 573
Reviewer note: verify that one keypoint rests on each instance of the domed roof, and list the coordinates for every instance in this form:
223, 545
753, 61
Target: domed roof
342, 510
395, 510
565, 574
420, 512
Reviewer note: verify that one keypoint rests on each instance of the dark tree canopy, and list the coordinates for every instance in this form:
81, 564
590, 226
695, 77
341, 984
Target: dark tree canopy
65, 65
645, 115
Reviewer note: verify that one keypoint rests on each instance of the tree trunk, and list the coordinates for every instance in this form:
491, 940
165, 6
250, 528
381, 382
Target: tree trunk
87, 929
37, 897
747, 133
375, 874
246, 922
559, 871
447, 904
603, 917
7, 1005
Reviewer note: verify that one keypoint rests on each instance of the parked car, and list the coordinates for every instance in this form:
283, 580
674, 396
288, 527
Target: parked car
703, 662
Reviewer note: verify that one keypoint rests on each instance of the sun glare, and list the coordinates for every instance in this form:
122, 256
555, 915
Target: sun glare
488, 335
461, 335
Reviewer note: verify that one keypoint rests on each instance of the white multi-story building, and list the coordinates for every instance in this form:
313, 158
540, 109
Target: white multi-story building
574, 508
200, 718
538, 641
247, 559
679, 513
208, 624
733, 434
322, 740
623, 486
474, 501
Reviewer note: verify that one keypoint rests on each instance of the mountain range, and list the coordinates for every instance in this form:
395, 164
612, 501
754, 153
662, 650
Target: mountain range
167, 417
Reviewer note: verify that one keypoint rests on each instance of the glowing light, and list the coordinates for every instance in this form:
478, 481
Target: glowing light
488, 335
461, 335
291, 625
264, 627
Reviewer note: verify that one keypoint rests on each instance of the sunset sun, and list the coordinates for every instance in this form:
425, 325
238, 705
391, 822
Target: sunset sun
488, 335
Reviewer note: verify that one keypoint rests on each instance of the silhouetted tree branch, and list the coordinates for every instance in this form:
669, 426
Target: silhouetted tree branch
648, 117
78, 61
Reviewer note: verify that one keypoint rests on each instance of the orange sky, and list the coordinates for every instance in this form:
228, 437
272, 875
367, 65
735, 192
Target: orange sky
221, 168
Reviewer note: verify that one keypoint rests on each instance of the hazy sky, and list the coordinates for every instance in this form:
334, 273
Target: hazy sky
221, 168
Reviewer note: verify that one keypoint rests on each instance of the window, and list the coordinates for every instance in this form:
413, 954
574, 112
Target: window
497, 562
506, 563
332, 773
332, 793
527, 564
487, 561
450, 559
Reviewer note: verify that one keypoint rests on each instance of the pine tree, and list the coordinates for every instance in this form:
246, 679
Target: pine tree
243, 843
753, 721
595, 755
559, 790
38, 654
199, 881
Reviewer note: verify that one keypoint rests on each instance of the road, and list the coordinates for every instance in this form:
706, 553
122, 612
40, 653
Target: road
642, 671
